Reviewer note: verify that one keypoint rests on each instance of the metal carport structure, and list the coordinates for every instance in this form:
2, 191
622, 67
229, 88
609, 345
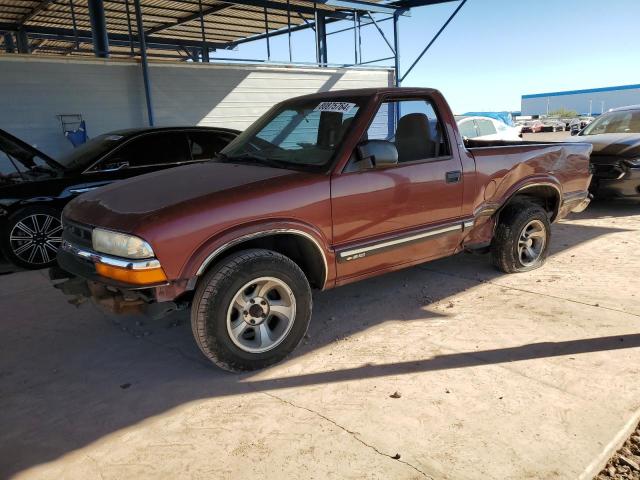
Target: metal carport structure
195, 30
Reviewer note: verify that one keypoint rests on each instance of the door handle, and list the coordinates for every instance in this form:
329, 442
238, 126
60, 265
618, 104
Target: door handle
453, 177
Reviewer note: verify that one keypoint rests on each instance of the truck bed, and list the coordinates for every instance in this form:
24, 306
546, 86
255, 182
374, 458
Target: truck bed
500, 164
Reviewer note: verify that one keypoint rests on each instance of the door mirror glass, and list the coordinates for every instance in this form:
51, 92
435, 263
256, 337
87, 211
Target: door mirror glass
379, 153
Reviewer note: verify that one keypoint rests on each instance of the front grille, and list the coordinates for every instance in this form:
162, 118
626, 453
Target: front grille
76, 234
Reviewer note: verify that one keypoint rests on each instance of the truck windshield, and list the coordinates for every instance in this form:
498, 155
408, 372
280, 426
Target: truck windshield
302, 134
625, 121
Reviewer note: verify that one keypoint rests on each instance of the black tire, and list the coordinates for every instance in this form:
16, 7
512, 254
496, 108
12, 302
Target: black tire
505, 247
213, 301
37, 248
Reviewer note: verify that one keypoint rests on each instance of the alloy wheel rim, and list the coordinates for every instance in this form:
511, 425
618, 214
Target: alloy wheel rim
36, 238
531, 243
261, 314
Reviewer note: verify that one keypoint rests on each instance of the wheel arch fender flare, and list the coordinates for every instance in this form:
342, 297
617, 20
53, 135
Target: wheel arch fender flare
548, 183
215, 247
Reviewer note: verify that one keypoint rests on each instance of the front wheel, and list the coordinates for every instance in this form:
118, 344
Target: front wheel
251, 310
32, 237
522, 237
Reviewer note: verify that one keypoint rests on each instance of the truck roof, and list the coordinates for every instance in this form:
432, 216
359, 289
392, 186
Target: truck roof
367, 92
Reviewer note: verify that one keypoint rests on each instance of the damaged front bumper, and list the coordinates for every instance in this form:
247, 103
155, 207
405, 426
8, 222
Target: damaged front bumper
81, 281
615, 177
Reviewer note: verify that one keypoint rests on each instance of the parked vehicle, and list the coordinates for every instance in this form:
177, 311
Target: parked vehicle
615, 137
34, 188
315, 194
534, 126
584, 121
553, 125
485, 128
575, 125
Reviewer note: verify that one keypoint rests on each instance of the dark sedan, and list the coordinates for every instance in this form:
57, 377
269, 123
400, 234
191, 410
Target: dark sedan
615, 160
34, 187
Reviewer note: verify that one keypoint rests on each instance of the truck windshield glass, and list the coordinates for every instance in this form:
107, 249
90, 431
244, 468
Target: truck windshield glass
627, 121
303, 135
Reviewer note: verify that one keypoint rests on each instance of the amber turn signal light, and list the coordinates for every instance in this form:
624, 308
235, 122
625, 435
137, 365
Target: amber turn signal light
135, 277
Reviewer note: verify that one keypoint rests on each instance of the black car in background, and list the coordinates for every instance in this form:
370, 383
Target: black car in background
34, 188
615, 160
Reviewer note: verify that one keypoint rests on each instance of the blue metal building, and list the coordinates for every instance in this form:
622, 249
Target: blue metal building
592, 101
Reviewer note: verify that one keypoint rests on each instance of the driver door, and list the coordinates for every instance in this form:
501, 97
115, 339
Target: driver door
384, 218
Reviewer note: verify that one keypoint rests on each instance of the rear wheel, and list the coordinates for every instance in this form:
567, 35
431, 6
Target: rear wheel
251, 310
32, 237
522, 237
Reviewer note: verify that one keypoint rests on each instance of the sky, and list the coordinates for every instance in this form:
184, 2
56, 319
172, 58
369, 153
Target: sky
494, 51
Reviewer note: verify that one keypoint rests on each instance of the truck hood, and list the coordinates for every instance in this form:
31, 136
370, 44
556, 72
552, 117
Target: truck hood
125, 204
612, 144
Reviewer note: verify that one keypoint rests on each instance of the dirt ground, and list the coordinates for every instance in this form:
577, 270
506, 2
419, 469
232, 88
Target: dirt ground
625, 464
497, 376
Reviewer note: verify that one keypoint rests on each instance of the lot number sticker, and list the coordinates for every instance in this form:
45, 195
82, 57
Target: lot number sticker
340, 107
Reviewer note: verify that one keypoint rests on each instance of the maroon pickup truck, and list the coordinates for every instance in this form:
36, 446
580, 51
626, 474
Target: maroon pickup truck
321, 191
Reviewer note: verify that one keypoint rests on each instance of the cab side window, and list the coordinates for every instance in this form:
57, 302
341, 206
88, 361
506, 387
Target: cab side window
161, 148
413, 126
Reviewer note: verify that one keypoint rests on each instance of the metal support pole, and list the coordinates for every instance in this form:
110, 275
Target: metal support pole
384, 37
266, 30
359, 40
9, 45
143, 58
355, 37
434, 39
289, 28
321, 38
74, 24
126, 4
98, 28
22, 41
205, 48
396, 49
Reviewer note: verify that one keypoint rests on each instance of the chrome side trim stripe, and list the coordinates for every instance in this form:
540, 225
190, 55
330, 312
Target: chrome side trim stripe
363, 251
111, 261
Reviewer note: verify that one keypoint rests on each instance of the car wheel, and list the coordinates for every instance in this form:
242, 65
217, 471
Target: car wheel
32, 237
522, 237
251, 310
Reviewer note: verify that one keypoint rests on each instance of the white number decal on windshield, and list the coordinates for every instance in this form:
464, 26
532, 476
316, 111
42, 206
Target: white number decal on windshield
340, 107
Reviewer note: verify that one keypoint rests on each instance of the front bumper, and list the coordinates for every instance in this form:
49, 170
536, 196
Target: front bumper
82, 262
82, 282
626, 185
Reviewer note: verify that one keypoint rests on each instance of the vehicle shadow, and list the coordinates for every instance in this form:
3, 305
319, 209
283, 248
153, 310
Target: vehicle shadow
70, 376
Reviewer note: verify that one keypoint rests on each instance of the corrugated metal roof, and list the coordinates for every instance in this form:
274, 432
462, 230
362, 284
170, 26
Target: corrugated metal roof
50, 23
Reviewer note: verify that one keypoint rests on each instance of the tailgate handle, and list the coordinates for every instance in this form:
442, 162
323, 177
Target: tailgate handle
453, 177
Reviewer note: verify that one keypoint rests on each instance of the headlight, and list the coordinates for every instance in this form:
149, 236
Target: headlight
120, 244
634, 162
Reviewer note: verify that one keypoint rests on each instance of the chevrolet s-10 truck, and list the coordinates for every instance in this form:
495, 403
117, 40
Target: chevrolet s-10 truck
321, 191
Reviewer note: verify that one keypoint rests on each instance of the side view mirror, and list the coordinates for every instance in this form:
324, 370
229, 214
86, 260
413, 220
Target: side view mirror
380, 153
574, 132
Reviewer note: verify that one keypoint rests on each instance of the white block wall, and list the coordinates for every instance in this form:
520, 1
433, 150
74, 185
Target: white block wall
110, 95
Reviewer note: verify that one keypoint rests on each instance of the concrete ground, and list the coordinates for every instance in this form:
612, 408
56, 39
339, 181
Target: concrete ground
500, 376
